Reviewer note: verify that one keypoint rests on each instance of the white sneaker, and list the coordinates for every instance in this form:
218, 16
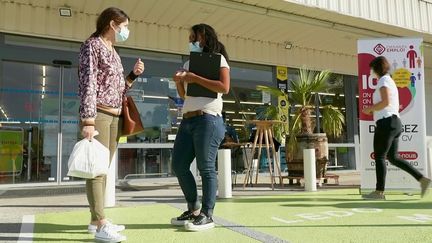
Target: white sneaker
116, 227
201, 222
107, 234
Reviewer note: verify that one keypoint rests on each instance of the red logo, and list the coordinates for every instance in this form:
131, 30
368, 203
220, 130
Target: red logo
379, 49
407, 155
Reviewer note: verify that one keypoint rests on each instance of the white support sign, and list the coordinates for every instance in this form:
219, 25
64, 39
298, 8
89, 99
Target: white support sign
406, 58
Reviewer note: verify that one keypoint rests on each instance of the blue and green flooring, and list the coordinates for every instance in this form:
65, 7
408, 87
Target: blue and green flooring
338, 215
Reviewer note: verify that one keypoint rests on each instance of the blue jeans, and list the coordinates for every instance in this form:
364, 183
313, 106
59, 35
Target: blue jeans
198, 137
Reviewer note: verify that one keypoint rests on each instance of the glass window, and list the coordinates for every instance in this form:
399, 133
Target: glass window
340, 96
149, 162
243, 100
335, 97
156, 97
29, 97
341, 158
152, 92
250, 75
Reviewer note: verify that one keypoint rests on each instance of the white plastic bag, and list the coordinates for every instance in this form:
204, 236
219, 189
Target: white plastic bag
88, 159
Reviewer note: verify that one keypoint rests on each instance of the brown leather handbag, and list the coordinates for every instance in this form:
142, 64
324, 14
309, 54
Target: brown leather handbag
131, 118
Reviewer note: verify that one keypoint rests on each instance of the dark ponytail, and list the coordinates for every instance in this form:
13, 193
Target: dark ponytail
212, 44
104, 19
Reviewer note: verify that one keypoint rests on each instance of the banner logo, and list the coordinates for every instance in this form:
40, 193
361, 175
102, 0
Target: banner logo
379, 49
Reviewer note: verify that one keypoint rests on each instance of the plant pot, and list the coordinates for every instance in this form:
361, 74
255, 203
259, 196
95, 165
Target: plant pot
317, 141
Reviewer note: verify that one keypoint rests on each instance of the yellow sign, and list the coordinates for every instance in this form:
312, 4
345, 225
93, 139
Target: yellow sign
11, 151
402, 77
282, 73
123, 140
283, 108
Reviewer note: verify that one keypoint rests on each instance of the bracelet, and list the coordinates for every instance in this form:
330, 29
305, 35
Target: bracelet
88, 125
132, 76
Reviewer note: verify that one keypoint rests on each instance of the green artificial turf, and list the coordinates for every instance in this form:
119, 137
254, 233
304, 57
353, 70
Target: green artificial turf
333, 216
325, 216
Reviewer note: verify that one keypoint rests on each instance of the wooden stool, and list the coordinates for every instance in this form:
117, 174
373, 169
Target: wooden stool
264, 130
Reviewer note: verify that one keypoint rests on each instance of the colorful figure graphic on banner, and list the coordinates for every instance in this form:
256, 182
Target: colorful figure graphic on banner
413, 79
419, 62
411, 55
419, 76
404, 63
395, 65
406, 87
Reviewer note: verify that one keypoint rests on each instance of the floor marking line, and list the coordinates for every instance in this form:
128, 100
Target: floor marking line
241, 229
27, 226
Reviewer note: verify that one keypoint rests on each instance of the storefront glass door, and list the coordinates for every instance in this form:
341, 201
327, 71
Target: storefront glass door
29, 119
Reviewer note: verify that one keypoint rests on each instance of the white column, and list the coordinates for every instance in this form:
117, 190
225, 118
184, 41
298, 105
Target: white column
429, 156
309, 170
357, 152
276, 162
224, 173
110, 183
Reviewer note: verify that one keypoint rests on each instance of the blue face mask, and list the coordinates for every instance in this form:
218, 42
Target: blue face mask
122, 35
195, 46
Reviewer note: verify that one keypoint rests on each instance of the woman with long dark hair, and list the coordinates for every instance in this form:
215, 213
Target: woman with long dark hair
102, 87
200, 132
385, 110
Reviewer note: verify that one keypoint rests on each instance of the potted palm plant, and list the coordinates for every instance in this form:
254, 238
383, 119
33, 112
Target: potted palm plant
299, 128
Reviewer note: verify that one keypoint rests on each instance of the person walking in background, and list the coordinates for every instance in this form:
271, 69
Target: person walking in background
102, 88
385, 110
200, 133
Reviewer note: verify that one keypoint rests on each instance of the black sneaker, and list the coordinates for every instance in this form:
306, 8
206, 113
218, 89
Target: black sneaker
185, 218
201, 222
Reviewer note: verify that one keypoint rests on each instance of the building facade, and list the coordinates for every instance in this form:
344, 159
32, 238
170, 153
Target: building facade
39, 103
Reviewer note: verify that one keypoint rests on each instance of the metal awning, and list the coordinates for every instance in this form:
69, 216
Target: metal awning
243, 21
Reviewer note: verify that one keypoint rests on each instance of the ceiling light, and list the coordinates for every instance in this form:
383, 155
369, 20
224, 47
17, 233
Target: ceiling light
10, 122
155, 97
330, 94
251, 103
247, 113
288, 45
65, 12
